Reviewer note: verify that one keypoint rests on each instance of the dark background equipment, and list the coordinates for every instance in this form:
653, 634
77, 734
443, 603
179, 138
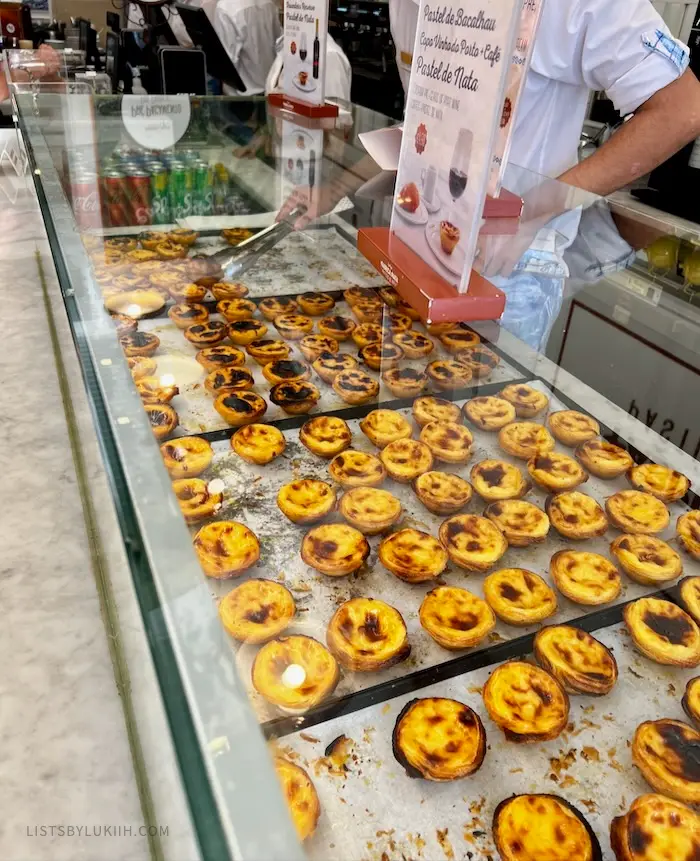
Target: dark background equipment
204, 36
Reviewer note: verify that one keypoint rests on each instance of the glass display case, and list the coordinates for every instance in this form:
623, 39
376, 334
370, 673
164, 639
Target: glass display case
379, 553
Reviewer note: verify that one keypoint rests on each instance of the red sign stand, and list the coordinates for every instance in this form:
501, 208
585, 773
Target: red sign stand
303, 109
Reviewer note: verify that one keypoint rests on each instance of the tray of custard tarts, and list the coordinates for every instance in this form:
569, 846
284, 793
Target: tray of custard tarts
421, 539
584, 748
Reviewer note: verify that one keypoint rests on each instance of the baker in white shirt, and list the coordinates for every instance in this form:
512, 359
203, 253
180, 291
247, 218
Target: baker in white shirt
338, 71
248, 30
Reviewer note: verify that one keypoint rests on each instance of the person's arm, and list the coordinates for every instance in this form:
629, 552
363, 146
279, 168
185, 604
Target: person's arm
659, 128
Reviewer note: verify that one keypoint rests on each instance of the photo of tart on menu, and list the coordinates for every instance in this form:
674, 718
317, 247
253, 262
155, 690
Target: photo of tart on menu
455, 101
305, 29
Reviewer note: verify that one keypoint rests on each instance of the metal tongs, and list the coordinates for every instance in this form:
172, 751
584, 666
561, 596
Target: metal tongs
237, 260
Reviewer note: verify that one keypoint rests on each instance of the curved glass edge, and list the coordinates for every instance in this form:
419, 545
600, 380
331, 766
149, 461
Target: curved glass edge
253, 820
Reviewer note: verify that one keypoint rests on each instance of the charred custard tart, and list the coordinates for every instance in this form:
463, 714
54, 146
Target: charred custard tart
556, 472
526, 702
226, 549
257, 610
329, 365
266, 350
335, 549
207, 334
521, 522
688, 533
656, 827
519, 597
414, 344
406, 459
229, 290
442, 492
585, 578
429, 409
293, 326
366, 635
258, 443
691, 700
315, 304
455, 618
572, 428
163, 419
667, 752
458, 338
472, 542
446, 374
384, 426
528, 402
378, 355
663, 483
575, 515
603, 459
663, 632
525, 439
186, 457
295, 673
185, 315
240, 408
405, 382
243, 332
139, 344
300, 795
637, 513
413, 556
313, 346
647, 559
448, 441
326, 436
438, 739
295, 397
187, 293
354, 386
151, 390
282, 370
495, 480
580, 663
306, 500
367, 333
228, 380
370, 509
481, 361
236, 309
357, 469
337, 327
213, 358
195, 500
489, 413
271, 307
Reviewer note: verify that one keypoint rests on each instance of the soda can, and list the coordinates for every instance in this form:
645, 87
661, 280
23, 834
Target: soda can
190, 156
160, 196
138, 183
203, 195
85, 199
114, 198
181, 182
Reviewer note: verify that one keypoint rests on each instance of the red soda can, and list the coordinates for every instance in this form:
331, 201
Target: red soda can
114, 198
138, 183
85, 199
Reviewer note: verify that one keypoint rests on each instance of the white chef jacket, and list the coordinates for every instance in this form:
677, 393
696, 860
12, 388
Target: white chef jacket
248, 30
403, 23
620, 46
338, 71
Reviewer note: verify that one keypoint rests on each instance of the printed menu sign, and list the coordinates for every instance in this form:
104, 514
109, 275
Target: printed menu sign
454, 106
519, 64
305, 30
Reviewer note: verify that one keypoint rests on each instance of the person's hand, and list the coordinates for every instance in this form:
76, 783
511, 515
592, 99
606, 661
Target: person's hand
317, 201
259, 141
51, 61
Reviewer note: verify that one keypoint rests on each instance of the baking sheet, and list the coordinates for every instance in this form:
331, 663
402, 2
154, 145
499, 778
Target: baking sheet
250, 497
374, 811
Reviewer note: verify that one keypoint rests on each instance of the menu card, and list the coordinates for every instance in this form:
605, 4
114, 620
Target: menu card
305, 30
454, 106
519, 64
302, 152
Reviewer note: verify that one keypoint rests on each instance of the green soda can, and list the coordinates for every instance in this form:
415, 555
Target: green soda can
203, 197
181, 181
160, 195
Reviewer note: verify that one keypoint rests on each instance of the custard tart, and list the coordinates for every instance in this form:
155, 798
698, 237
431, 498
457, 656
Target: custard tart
295, 673
647, 559
539, 827
395, 322
688, 533
519, 597
185, 315
222, 290
489, 413
585, 578
315, 304
663, 483
183, 236
414, 344
354, 386
556, 472
521, 522
187, 456
575, 515
306, 500
496, 480
370, 509
213, 358
690, 596
120, 243
195, 500
228, 380
141, 366
405, 382
236, 309
335, 549
151, 238
367, 311
527, 703
438, 739
235, 235
446, 374
142, 255
329, 365
449, 442
637, 513
430, 409
691, 700
458, 338
124, 324
378, 355
226, 548
472, 542
384, 426
655, 829
356, 294
244, 332
528, 401
573, 428
603, 459
152, 390
481, 361
326, 436
404, 307
266, 350
580, 663
272, 307
163, 419
667, 752
455, 618
207, 334
367, 333
293, 326
282, 370
188, 294
139, 344
412, 555
389, 296
295, 397
337, 327
357, 469
258, 443
240, 408
366, 635
166, 250
525, 439
313, 346
442, 492
256, 611
663, 632
406, 459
